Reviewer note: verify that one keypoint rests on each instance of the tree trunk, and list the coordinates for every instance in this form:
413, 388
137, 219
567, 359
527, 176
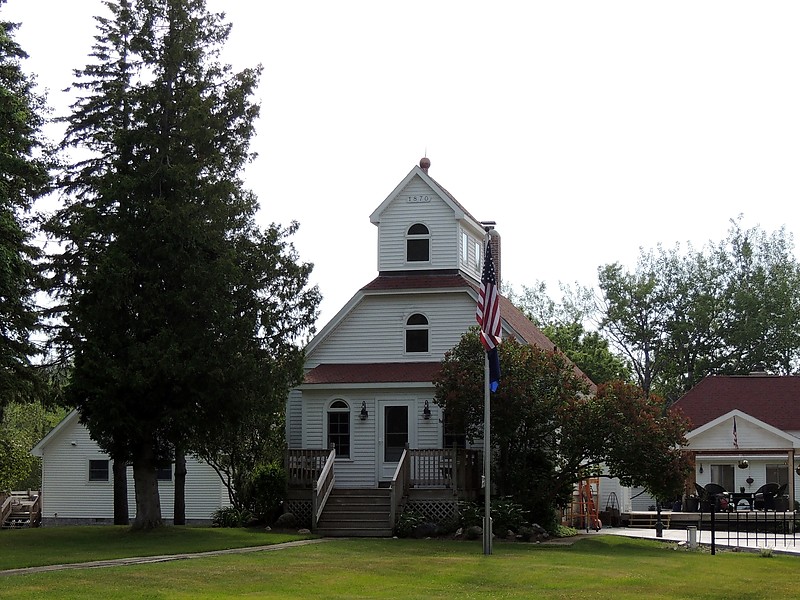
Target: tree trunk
180, 488
148, 502
120, 469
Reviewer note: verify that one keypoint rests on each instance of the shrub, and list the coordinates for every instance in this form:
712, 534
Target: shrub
409, 520
265, 490
230, 516
507, 514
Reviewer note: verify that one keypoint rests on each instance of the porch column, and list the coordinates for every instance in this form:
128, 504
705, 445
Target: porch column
792, 475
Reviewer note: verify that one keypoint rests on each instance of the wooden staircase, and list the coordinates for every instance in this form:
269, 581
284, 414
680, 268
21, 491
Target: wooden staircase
356, 513
20, 509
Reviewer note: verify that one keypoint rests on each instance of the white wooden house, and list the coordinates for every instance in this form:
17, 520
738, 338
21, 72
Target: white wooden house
763, 445
367, 387
78, 486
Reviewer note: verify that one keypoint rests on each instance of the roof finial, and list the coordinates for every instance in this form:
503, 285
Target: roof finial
425, 163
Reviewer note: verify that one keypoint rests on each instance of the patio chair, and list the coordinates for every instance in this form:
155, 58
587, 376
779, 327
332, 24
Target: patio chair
764, 498
719, 495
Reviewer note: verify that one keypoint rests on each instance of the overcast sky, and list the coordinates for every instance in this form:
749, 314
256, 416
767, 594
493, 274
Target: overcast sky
586, 129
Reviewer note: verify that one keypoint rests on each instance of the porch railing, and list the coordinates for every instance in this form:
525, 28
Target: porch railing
322, 489
304, 466
398, 488
457, 469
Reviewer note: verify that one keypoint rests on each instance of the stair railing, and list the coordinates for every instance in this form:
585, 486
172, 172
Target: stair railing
5, 511
322, 489
398, 488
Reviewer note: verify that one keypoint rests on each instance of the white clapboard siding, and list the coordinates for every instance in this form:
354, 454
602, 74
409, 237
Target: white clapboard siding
401, 214
374, 331
359, 470
294, 419
750, 435
68, 494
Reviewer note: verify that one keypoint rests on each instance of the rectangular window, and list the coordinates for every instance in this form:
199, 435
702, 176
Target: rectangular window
723, 475
464, 247
164, 473
778, 474
418, 250
98, 470
339, 432
478, 256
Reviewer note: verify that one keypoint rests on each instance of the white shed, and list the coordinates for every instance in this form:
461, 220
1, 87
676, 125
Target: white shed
78, 486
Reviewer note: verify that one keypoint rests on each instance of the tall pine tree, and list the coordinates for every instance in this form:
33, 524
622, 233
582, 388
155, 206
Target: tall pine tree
25, 162
178, 308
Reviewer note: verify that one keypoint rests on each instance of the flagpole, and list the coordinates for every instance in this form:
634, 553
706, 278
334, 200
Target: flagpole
487, 460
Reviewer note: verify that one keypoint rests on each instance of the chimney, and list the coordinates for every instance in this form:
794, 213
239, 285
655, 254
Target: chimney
494, 240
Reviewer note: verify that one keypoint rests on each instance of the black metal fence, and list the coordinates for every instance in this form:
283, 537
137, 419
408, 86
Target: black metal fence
751, 528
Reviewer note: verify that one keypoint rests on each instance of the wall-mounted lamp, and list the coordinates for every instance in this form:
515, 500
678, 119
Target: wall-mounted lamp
426, 411
364, 414
701, 467
743, 464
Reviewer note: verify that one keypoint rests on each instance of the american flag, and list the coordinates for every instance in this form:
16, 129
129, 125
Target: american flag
735, 436
488, 316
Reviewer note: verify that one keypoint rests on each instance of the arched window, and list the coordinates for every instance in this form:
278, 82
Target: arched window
418, 243
417, 333
339, 427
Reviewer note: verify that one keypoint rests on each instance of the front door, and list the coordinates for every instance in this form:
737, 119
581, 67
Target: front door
396, 434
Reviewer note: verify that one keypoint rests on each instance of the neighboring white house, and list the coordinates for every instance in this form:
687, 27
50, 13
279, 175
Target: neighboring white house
763, 444
368, 384
78, 486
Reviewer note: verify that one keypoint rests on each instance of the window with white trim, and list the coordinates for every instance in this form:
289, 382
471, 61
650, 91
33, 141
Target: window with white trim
418, 243
464, 247
98, 470
417, 333
339, 428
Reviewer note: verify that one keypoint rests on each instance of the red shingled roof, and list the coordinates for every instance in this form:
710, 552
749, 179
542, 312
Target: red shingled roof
769, 398
422, 281
407, 372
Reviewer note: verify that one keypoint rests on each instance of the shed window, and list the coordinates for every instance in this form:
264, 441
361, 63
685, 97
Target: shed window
164, 473
339, 428
418, 243
98, 470
417, 333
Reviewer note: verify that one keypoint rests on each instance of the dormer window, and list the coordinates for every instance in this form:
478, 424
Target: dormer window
418, 243
417, 333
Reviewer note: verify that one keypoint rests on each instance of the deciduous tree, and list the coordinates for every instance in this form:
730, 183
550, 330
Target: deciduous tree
549, 430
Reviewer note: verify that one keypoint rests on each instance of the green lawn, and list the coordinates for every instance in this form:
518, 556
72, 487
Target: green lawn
595, 567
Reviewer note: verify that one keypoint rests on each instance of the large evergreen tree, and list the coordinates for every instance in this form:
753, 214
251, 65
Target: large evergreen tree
25, 162
179, 310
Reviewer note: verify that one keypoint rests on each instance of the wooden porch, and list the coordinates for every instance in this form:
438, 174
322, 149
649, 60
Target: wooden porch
430, 479
20, 509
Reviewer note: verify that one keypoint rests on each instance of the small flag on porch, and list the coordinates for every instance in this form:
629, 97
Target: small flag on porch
735, 436
488, 317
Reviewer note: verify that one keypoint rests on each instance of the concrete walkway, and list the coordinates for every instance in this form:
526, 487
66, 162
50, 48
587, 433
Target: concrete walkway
143, 560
